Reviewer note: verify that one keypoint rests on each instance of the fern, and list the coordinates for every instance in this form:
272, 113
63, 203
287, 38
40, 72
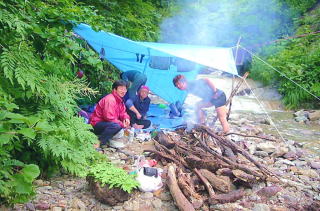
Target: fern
108, 174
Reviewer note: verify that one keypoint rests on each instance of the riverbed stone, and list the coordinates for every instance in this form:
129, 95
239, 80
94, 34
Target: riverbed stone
268, 147
314, 115
309, 173
314, 165
261, 207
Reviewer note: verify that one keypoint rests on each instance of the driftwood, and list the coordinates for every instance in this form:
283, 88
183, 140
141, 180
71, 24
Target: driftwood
179, 198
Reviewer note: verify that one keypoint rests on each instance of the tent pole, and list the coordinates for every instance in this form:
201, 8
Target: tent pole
233, 79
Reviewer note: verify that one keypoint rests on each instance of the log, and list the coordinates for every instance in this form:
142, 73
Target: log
235, 148
220, 183
164, 140
187, 187
206, 183
195, 162
181, 201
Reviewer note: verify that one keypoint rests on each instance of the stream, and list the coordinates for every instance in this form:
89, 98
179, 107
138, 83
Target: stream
265, 103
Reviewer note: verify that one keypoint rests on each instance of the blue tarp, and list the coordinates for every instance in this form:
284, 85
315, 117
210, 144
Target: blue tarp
159, 61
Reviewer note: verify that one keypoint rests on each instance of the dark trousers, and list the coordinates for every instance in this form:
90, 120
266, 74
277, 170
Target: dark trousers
133, 119
106, 130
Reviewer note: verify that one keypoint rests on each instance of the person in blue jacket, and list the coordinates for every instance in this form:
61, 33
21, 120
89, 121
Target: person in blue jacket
137, 79
137, 108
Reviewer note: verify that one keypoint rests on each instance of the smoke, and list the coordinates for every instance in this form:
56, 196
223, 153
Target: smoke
222, 22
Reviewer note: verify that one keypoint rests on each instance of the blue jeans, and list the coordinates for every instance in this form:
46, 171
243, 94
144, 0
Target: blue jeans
106, 130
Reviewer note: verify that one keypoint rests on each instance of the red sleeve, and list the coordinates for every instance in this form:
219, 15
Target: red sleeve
110, 113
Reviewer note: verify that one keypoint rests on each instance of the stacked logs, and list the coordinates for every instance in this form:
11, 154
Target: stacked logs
204, 167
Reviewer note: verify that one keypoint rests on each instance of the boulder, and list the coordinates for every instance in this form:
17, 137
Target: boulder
314, 115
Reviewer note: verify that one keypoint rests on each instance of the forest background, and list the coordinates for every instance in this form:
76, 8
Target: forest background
40, 133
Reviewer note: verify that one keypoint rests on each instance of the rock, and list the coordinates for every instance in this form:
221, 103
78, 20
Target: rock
276, 208
42, 206
147, 195
131, 205
265, 121
261, 207
301, 113
165, 196
301, 119
78, 204
286, 162
38, 182
300, 163
314, 115
280, 151
290, 155
269, 191
157, 203
106, 195
56, 209
261, 154
309, 173
268, 147
314, 165
29, 206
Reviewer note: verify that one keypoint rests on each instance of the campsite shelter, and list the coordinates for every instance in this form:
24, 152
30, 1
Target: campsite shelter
160, 62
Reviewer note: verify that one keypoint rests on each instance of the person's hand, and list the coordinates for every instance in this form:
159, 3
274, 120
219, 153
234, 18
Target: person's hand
126, 123
138, 116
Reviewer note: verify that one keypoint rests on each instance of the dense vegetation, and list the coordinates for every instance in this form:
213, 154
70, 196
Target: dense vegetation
297, 59
40, 133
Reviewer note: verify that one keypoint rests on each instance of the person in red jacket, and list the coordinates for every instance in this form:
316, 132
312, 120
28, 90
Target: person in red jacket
110, 115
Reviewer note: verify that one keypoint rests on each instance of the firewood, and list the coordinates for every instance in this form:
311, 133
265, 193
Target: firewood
187, 187
244, 176
220, 183
164, 140
205, 182
181, 201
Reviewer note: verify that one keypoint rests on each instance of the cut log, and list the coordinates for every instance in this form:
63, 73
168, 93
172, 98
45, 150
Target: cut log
206, 183
220, 183
181, 201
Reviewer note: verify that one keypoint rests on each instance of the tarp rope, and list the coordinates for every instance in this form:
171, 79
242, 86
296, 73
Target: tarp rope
265, 111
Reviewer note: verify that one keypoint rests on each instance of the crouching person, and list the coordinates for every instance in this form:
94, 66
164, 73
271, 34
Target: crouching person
110, 115
138, 107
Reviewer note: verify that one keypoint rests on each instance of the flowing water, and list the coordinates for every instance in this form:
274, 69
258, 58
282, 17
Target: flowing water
265, 103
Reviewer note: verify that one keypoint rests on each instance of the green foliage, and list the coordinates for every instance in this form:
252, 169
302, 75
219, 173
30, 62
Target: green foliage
134, 19
301, 6
108, 174
297, 59
39, 91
